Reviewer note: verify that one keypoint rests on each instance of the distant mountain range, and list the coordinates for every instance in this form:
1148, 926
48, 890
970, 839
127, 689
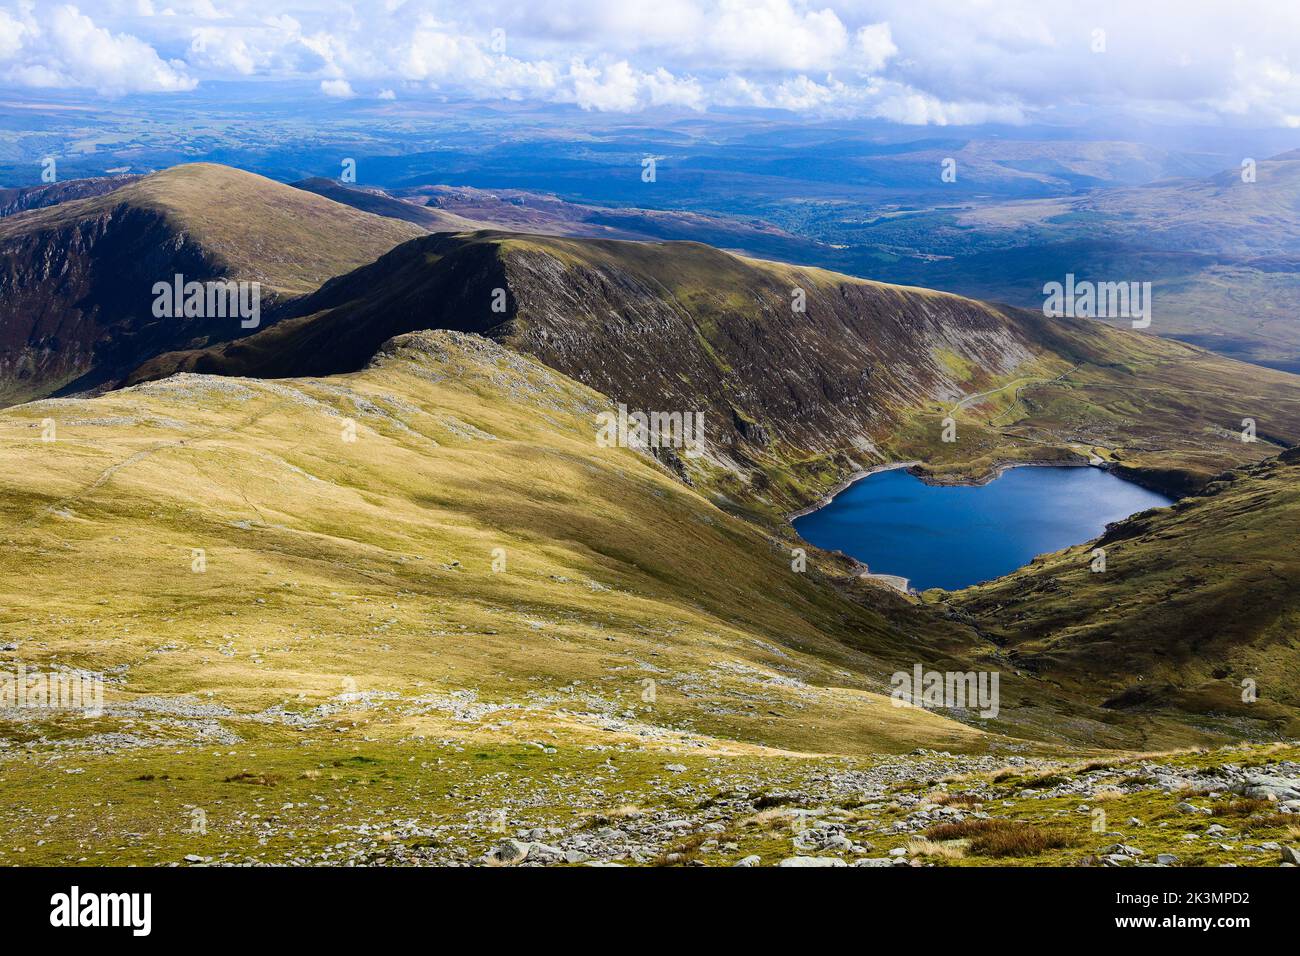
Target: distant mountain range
1223, 254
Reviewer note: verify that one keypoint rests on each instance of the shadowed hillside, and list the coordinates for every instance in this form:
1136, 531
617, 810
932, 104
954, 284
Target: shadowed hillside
76, 278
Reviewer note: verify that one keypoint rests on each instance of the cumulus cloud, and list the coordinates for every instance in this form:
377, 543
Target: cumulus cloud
773, 35
876, 44
339, 89
59, 46
12, 33
620, 87
912, 61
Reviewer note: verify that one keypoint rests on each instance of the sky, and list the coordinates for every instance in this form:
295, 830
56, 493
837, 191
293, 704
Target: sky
922, 62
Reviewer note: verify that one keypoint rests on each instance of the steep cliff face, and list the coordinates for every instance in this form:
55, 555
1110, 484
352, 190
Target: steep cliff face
780, 359
77, 278
75, 299
51, 194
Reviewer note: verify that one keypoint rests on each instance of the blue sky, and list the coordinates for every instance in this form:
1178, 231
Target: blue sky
909, 61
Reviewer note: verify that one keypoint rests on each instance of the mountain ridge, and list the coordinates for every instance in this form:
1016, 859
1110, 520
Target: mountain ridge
796, 400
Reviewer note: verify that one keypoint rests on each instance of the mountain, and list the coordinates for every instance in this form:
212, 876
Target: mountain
793, 401
1194, 601
38, 197
1223, 254
425, 586
379, 203
77, 278
385, 554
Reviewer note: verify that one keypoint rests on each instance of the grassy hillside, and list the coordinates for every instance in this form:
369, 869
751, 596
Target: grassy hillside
257, 229
345, 645
463, 447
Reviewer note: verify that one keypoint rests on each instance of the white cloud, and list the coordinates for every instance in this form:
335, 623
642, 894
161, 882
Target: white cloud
612, 88
340, 89
876, 44
59, 46
916, 61
664, 89
771, 34
12, 32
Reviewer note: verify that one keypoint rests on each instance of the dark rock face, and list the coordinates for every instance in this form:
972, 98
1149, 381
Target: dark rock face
38, 197
76, 300
685, 327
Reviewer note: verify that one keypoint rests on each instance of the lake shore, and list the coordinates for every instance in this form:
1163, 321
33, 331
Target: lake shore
996, 471
1002, 467
898, 582
852, 479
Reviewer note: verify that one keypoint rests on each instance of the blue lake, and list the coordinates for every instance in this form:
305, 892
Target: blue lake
950, 537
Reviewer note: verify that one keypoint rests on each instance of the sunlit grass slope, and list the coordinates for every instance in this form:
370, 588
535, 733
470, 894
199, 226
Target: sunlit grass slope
369, 563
